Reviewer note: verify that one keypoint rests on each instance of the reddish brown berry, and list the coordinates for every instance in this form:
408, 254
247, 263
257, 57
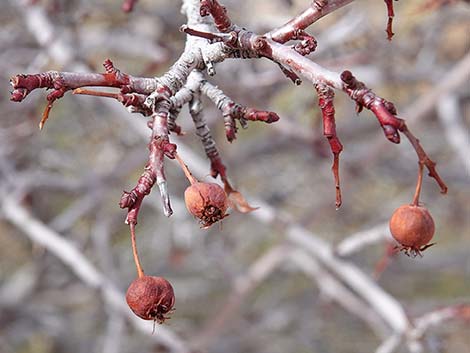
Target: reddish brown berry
206, 201
413, 227
151, 298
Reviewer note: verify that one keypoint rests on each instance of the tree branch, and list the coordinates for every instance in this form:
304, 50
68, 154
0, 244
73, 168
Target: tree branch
313, 13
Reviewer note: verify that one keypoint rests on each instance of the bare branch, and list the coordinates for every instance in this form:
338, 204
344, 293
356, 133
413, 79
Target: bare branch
232, 111
325, 101
316, 10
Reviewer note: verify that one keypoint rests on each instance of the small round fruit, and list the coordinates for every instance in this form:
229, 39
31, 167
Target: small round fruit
413, 227
151, 298
206, 201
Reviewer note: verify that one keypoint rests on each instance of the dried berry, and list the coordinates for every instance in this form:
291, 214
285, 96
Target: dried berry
151, 298
413, 227
206, 201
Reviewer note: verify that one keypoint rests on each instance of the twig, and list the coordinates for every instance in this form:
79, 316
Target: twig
232, 111
390, 14
317, 10
424, 105
325, 101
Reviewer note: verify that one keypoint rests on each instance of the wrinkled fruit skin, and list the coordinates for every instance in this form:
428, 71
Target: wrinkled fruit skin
413, 227
151, 298
206, 201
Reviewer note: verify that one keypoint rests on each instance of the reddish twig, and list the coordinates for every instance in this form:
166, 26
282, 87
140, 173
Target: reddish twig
153, 172
218, 13
61, 82
51, 98
390, 14
424, 159
212, 37
132, 200
160, 145
325, 101
23, 84
382, 109
134, 100
291, 75
314, 12
386, 115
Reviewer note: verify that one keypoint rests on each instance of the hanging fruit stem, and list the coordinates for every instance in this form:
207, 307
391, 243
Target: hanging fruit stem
140, 271
185, 168
418, 185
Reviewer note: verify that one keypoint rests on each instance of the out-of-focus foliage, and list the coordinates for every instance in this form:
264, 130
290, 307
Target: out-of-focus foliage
85, 157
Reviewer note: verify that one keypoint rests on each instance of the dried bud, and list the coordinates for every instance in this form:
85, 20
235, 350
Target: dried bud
206, 201
413, 227
127, 200
151, 298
